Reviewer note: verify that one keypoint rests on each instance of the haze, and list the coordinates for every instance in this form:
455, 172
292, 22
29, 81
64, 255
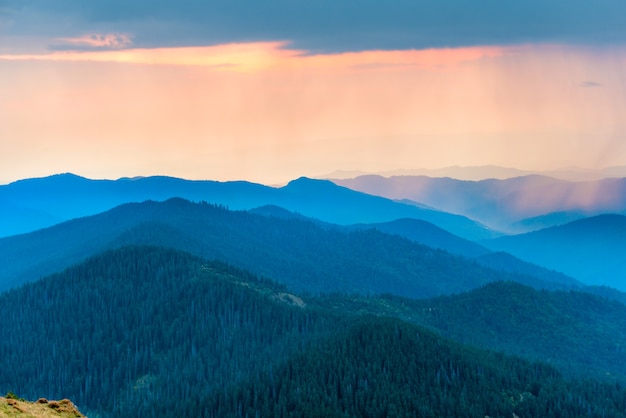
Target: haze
205, 91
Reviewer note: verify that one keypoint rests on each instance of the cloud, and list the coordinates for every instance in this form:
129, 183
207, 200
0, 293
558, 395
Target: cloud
590, 84
260, 56
339, 26
94, 41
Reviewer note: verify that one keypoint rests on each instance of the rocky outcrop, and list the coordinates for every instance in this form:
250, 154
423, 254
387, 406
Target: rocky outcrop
11, 406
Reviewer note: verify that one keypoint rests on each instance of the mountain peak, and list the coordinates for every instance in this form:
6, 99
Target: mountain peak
306, 182
60, 177
611, 223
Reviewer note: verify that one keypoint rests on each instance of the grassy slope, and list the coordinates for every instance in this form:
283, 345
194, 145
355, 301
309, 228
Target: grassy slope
10, 407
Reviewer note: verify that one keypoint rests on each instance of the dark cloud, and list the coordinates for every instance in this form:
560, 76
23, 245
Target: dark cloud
5, 7
349, 25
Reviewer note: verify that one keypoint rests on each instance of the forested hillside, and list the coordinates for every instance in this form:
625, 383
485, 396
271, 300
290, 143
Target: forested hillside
137, 325
428, 234
503, 261
580, 333
432, 236
387, 368
299, 253
146, 331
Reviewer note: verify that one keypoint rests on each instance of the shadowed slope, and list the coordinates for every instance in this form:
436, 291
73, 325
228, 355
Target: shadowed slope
591, 250
295, 252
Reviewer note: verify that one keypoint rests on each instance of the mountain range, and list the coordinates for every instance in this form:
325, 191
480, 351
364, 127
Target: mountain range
32, 204
303, 254
512, 205
138, 298
484, 172
71, 196
575, 228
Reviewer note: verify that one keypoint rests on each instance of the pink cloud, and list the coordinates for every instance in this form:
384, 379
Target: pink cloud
256, 56
98, 40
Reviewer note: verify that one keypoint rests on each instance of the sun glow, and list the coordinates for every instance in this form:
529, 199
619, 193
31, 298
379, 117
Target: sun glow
267, 112
257, 56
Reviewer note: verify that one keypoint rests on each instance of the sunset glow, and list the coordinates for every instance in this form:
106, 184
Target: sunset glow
102, 104
260, 56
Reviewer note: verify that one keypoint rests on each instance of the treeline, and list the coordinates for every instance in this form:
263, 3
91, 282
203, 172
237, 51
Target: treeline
141, 324
579, 333
145, 331
389, 368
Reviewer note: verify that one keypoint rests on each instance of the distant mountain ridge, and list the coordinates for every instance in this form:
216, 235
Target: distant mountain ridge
591, 250
296, 252
67, 196
70, 195
428, 234
509, 205
432, 236
484, 172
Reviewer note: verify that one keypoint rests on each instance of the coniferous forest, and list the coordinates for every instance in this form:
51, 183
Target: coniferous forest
146, 331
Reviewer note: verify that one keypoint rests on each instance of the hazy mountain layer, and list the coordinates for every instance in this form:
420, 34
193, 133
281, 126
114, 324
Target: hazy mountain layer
506, 262
429, 234
299, 253
591, 250
506, 205
65, 197
484, 172
433, 236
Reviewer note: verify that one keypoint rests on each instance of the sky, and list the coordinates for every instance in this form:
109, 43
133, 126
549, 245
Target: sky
268, 91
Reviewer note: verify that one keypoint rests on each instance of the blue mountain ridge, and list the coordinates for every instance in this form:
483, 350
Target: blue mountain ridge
590, 250
428, 234
67, 196
302, 254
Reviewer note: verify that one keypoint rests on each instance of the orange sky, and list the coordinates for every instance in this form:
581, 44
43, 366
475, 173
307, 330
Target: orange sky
265, 113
